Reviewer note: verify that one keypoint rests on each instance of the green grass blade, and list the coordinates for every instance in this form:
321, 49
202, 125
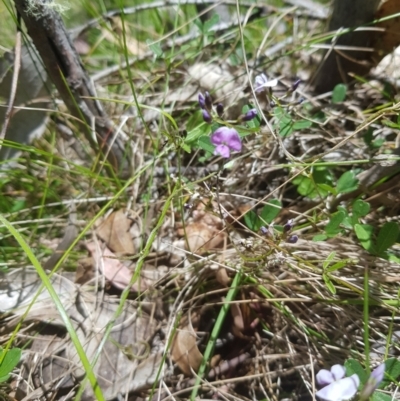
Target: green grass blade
47, 284
208, 353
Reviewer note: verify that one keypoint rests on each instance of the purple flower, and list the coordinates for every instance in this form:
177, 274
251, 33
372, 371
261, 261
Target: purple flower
373, 382
325, 377
336, 387
226, 139
249, 115
206, 116
262, 82
339, 390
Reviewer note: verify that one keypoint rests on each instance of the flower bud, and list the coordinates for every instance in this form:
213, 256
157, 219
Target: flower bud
373, 382
208, 100
292, 239
202, 101
206, 116
288, 226
220, 109
295, 85
249, 115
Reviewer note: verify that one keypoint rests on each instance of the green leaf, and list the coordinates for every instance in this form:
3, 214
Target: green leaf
308, 187
329, 284
378, 396
199, 25
353, 366
333, 227
9, 360
339, 93
337, 265
194, 134
155, 48
320, 237
186, 147
347, 183
252, 221
387, 236
301, 124
245, 131
204, 143
371, 142
328, 188
207, 25
392, 372
377, 143
328, 260
194, 120
390, 124
361, 208
271, 210
392, 257
285, 128
364, 233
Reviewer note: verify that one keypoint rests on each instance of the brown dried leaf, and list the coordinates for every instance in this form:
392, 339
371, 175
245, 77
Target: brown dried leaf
51, 357
213, 77
238, 319
114, 271
114, 231
201, 238
222, 277
84, 271
184, 351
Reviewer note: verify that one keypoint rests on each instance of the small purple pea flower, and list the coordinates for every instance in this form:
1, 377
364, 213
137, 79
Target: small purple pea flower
206, 116
226, 139
249, 115
336, 387
262, 82
373, 382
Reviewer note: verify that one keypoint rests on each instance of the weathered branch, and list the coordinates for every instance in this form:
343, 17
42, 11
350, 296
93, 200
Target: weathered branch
64, 67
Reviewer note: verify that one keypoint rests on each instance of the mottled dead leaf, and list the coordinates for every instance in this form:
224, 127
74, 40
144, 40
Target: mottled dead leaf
184, 350
129, 361
114, 231
205, 231
213, 77
114, 271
